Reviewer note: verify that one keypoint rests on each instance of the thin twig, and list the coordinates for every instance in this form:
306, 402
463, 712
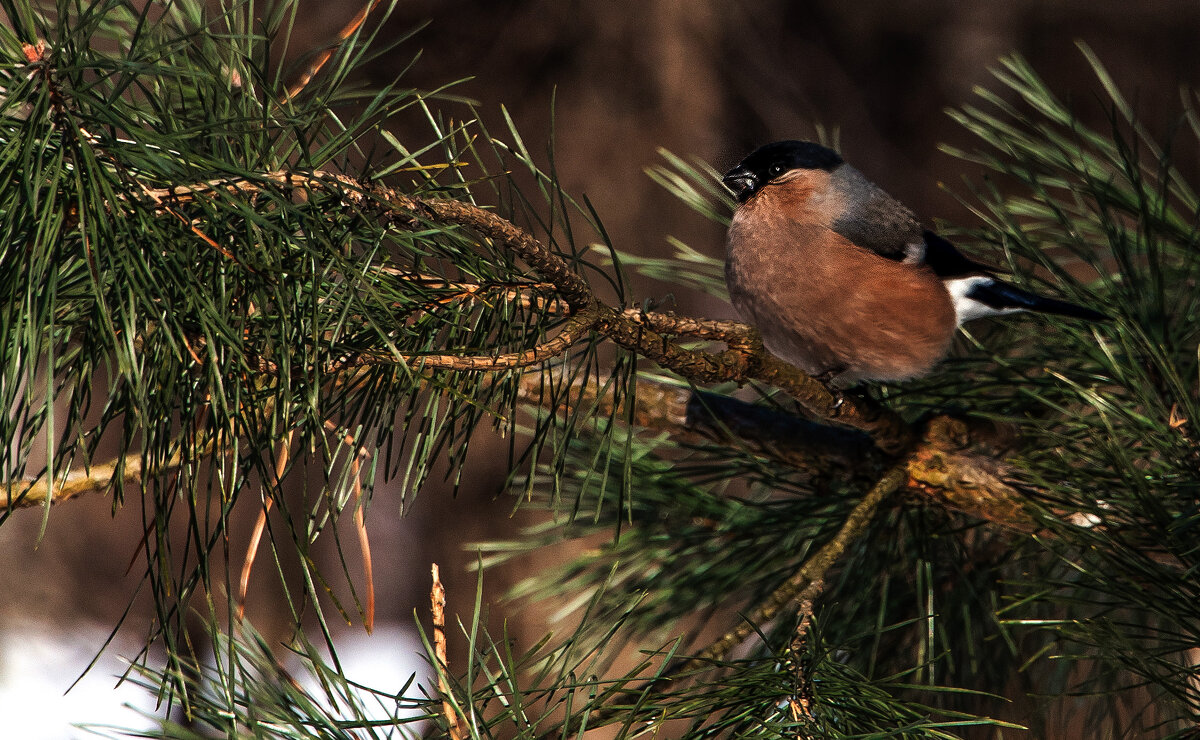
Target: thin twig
669, 324
437, 601
803, 587
802, 699
807, 582
23, 495
527, 294
573, 331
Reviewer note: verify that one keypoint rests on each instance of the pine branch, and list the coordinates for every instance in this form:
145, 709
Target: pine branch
942, 469
801, 588
957, 465
745, 359
575, 330
95, 478
807, 582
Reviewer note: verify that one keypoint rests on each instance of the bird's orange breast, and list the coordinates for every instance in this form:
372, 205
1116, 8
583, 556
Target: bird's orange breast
826, 304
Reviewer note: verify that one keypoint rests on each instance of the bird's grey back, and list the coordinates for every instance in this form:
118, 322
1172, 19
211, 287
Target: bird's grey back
875, 220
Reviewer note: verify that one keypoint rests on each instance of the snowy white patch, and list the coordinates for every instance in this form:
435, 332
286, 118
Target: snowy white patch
38, 664
384, 661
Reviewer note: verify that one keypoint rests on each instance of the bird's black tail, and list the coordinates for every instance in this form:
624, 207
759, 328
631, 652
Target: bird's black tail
1001, 295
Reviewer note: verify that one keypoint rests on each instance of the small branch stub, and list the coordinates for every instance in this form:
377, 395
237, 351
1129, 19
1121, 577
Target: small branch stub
437, 603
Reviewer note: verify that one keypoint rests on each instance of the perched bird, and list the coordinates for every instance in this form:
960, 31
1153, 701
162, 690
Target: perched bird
842, 280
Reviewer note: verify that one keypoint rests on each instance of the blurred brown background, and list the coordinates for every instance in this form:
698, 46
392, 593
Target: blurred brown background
710, 78
716, 79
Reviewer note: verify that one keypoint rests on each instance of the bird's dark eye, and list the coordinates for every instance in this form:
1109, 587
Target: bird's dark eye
775, 170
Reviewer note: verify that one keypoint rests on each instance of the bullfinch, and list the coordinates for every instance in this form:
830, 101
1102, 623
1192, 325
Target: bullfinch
842, 280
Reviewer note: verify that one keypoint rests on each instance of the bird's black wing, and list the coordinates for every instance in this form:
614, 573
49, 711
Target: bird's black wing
947, 262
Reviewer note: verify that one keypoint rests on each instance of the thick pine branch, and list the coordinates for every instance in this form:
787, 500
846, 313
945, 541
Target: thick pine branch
942, 468
745, 359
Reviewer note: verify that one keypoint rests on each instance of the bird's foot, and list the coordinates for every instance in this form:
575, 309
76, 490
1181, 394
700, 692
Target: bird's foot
838, 399
829, 378
834, 381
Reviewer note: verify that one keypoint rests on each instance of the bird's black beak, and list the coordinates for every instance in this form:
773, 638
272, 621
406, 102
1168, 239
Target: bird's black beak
742, 182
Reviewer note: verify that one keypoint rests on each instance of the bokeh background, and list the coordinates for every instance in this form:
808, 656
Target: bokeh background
706, 78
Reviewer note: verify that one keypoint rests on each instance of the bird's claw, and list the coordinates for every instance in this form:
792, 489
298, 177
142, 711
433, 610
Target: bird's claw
829, 377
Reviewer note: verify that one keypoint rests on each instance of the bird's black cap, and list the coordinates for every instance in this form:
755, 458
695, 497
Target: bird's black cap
772, 160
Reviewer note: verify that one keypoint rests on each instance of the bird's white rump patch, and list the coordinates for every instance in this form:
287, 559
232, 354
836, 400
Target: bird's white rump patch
967, 308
